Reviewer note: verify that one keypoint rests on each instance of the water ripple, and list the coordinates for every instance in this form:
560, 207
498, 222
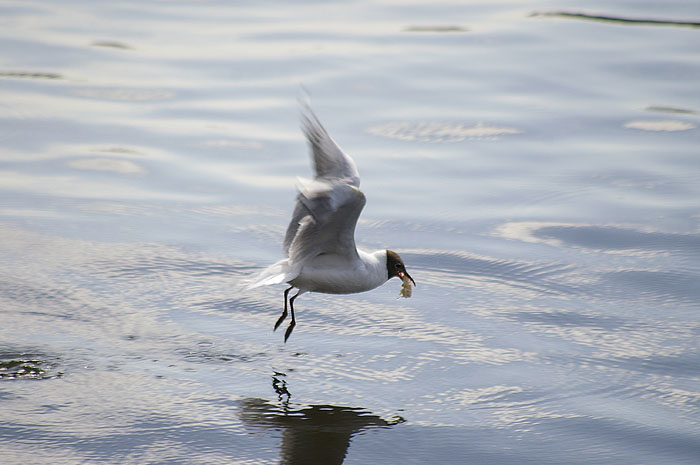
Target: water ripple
664, 286
445, 268
600, 237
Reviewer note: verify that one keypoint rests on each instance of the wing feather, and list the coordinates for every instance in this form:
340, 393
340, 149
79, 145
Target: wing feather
329, 225
326, 211
322, 198
330, 162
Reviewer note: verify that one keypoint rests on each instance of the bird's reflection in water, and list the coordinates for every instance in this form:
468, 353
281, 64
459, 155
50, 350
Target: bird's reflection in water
313, 434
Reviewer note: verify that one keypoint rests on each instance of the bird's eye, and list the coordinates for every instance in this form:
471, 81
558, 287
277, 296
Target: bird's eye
398, 265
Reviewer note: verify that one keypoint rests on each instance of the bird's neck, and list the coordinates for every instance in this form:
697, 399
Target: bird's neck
375, 262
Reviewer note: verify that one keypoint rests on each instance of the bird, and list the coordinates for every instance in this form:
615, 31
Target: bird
319, 245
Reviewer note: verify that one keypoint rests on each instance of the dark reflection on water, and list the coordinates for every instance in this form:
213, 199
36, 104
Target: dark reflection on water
618, 19
314, 434
111, 44
662, 109
15, 365
29, 75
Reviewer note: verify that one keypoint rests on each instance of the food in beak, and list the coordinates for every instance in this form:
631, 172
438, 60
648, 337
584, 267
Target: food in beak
406, 286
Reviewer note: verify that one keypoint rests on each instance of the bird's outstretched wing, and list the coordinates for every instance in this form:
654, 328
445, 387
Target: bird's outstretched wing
332, 199
330, 162
324, 223
326, 211
328, 225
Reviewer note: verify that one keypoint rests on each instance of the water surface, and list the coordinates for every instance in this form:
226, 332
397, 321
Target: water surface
536, 167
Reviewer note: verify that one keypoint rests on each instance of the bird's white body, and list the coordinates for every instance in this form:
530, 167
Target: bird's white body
329, 273
333, 274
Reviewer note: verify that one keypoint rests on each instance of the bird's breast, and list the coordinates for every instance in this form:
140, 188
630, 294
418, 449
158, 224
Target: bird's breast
330, 276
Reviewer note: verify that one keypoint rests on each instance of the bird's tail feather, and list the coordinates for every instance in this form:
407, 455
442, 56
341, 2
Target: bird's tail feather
277, 273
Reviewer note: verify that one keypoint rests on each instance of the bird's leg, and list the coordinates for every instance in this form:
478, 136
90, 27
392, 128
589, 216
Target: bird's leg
294, 322
284, 313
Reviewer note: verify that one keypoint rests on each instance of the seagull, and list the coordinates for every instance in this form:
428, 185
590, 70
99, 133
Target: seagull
319, 245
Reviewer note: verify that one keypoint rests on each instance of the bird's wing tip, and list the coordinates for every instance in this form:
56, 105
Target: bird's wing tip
304, 96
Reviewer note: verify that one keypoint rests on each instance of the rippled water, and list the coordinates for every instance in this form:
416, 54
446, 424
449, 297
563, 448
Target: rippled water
536, 167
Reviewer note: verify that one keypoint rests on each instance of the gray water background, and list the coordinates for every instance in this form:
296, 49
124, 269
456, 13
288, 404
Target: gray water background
539, 174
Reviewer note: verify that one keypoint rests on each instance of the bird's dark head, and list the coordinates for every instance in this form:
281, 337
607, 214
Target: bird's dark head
395, 266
